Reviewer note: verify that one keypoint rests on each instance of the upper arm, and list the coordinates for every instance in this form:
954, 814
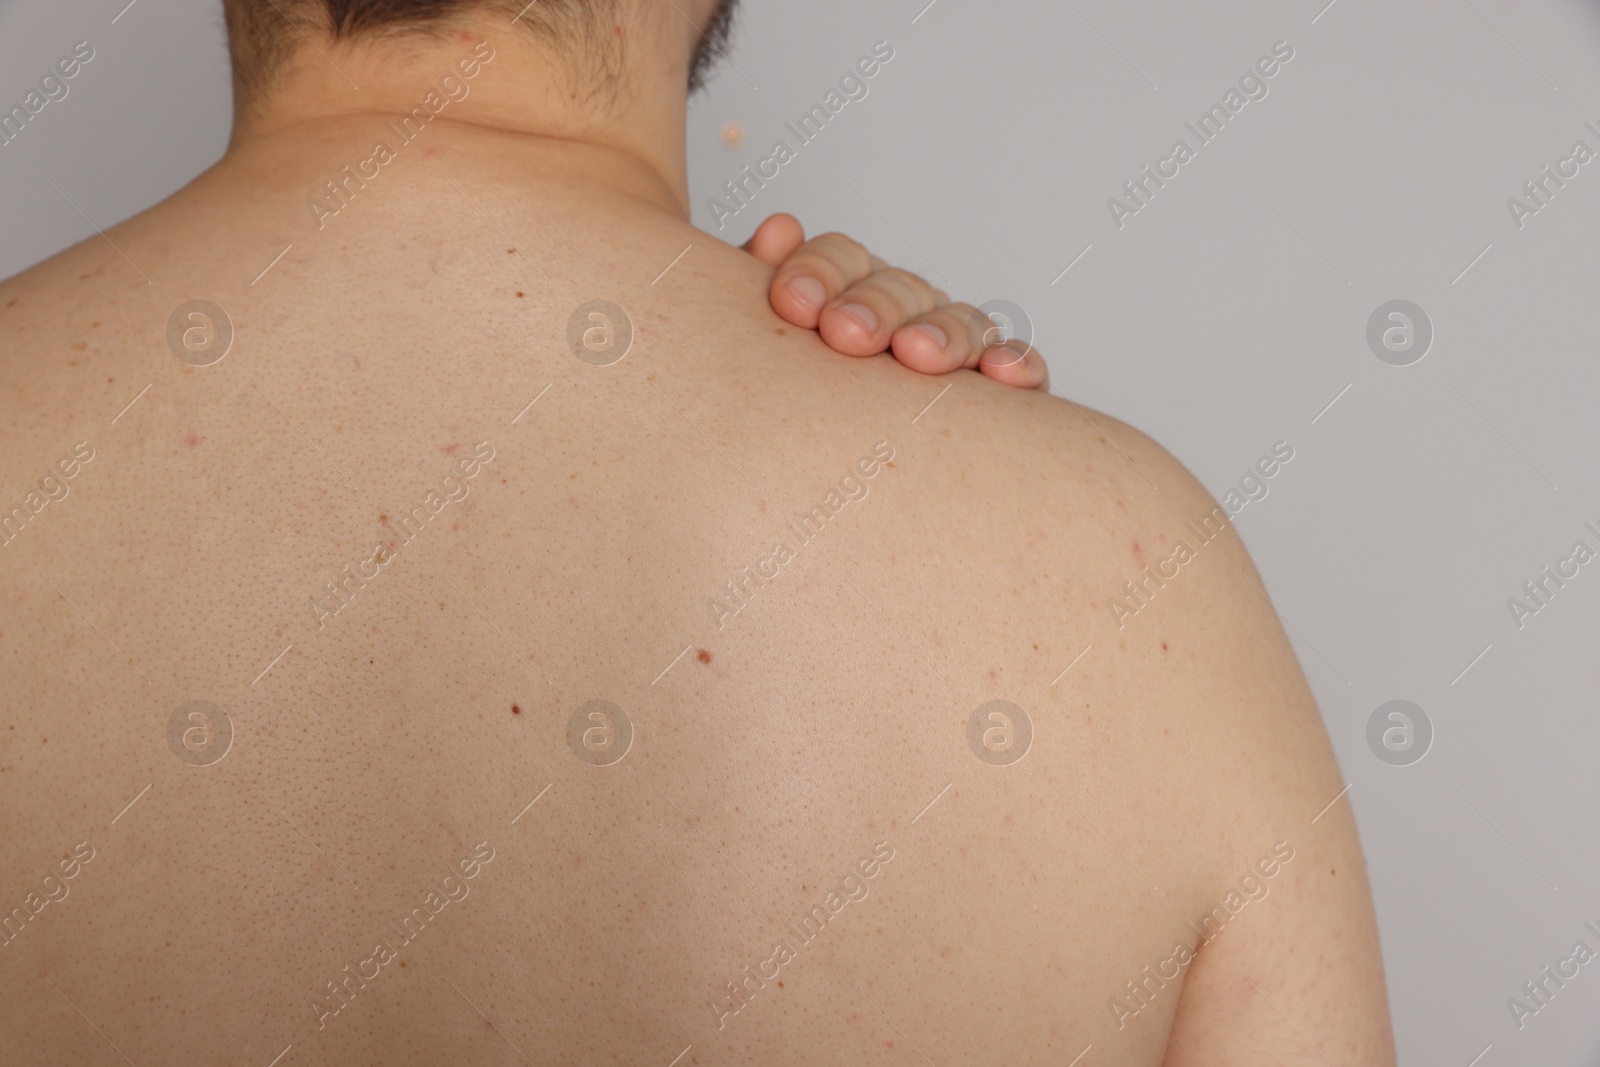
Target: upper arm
1294, 975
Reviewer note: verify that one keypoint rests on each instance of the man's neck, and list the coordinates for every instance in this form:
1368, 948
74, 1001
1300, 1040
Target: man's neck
493, 88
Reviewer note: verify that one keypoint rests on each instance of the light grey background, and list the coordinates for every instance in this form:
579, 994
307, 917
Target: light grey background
1223, 317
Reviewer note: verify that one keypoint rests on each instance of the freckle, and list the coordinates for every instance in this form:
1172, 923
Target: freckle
704, 657
44, 740
402, 963
13, 304
382, 517
519, 294
78, 346
516, 709
780, 985
781, 332
510, 251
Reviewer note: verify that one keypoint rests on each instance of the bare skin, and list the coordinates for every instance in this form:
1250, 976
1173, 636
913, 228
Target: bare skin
780, 751
860, 306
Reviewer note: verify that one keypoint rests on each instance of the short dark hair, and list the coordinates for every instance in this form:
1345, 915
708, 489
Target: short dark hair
263, 34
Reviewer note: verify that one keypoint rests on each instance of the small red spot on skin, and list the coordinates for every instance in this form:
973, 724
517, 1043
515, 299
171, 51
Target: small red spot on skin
516, 709
1136, 548
356, 360
704, 657
451, 450
430, 153
1163, 646
193, 440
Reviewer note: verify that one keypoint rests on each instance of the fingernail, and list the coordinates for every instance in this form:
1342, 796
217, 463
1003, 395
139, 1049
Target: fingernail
808, 291
938, 335
863, 315
1004, 355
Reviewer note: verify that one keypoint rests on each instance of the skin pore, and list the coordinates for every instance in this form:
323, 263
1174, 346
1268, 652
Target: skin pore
802, 575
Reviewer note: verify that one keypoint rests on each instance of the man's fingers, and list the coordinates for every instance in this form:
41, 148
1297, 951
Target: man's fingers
959, 336
861, 306
776, 239
945, 339
1015, 363
823, 268
861, 320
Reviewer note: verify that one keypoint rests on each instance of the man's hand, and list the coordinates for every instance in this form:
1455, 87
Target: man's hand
861, 307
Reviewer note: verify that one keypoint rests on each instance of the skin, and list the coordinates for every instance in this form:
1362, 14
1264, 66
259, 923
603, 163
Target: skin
860, 306
774, 749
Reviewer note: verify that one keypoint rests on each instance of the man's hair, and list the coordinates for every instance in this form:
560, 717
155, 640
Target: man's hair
263, 34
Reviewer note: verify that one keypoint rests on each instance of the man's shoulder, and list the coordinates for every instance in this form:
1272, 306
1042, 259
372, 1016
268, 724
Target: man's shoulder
1088, 530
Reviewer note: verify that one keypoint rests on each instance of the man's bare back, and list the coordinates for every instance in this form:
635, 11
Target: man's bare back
601, 711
